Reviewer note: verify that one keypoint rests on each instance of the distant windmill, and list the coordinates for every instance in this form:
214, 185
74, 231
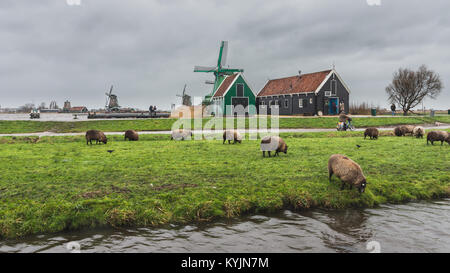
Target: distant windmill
186, 99
112, 103
219, 71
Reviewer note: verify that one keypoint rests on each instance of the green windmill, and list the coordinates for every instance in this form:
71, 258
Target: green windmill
219, 71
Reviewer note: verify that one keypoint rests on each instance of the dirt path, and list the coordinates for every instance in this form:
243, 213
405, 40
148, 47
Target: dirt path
43, 134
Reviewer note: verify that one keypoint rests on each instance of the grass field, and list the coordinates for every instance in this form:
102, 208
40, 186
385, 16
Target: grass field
60, 183
9, 127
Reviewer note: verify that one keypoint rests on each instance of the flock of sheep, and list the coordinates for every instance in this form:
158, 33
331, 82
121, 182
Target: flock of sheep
347, 170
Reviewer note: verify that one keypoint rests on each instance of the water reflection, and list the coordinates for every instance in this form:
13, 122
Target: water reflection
415, 227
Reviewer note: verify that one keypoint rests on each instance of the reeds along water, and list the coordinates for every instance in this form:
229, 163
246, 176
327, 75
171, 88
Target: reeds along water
363, 108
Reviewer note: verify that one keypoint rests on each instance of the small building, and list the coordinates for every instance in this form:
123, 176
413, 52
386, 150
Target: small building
319, 93
232, 92
78, 109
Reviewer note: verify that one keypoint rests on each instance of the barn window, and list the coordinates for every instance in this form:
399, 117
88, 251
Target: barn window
300, 103
239, 90
310, 100
333, 87
286, 103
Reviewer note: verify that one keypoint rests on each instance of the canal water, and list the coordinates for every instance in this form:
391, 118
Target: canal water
45, 117
413, 227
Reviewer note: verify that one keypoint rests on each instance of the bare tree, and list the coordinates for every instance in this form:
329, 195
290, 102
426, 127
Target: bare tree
27, 107
409, 88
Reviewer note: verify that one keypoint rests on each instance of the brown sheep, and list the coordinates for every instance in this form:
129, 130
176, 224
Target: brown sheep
403, 130
348, 171
131, 135
407, 129
273, 144
232, 135
438, 136
181, 134
419, 132
398, 131
96, 135
371, 132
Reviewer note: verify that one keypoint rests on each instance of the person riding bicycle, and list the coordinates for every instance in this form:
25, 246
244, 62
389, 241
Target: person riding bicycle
346, 120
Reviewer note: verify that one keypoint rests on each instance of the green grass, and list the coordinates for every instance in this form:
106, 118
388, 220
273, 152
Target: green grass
60, 183
9, 127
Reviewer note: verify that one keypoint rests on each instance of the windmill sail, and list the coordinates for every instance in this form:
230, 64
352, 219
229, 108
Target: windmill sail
205, 68
223, 61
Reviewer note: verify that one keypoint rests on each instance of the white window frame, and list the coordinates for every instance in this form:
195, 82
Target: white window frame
310, 100
333, 84
300, 102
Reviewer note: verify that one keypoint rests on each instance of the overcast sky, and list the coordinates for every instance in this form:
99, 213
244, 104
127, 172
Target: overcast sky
50, 50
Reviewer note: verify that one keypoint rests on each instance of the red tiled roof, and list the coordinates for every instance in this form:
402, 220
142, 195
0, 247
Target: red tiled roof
225, 84
295, 84
78, 108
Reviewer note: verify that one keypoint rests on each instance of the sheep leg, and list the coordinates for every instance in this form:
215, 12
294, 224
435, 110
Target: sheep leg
269, 153
330, 174
223, 141
229, 141
264, 154
342, 186
351, 187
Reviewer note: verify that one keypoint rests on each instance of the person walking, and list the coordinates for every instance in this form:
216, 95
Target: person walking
150, 110
393, 109
341, 107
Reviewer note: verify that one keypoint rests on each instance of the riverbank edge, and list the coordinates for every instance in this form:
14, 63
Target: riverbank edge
296, 202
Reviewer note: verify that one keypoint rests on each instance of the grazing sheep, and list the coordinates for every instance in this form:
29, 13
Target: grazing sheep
181, 134
232, 135
348, 171
438, 136
131, 135
419, 132
407, 129
398, 131
403, 130
371, 132
273, 144
96, 135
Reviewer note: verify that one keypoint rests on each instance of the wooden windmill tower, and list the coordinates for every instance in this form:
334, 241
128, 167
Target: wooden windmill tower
112, 103
186, 99
219, 71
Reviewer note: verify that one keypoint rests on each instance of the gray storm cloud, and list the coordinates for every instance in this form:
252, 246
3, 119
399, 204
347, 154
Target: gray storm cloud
50, 50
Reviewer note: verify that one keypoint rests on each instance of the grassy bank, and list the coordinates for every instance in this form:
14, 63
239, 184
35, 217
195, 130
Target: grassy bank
9, 127
59, 183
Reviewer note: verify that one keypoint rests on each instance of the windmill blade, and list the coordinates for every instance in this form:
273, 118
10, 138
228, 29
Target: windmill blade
209, 82
205, 68
110, 90
184, 89
224, 53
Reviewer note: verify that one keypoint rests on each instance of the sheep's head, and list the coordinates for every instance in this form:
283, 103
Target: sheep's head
285, 149
362, 186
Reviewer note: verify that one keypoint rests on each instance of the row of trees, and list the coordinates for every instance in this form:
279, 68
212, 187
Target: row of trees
29, 106
409, 88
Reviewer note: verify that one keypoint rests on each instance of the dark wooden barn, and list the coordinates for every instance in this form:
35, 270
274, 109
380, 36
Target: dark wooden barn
319, 93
